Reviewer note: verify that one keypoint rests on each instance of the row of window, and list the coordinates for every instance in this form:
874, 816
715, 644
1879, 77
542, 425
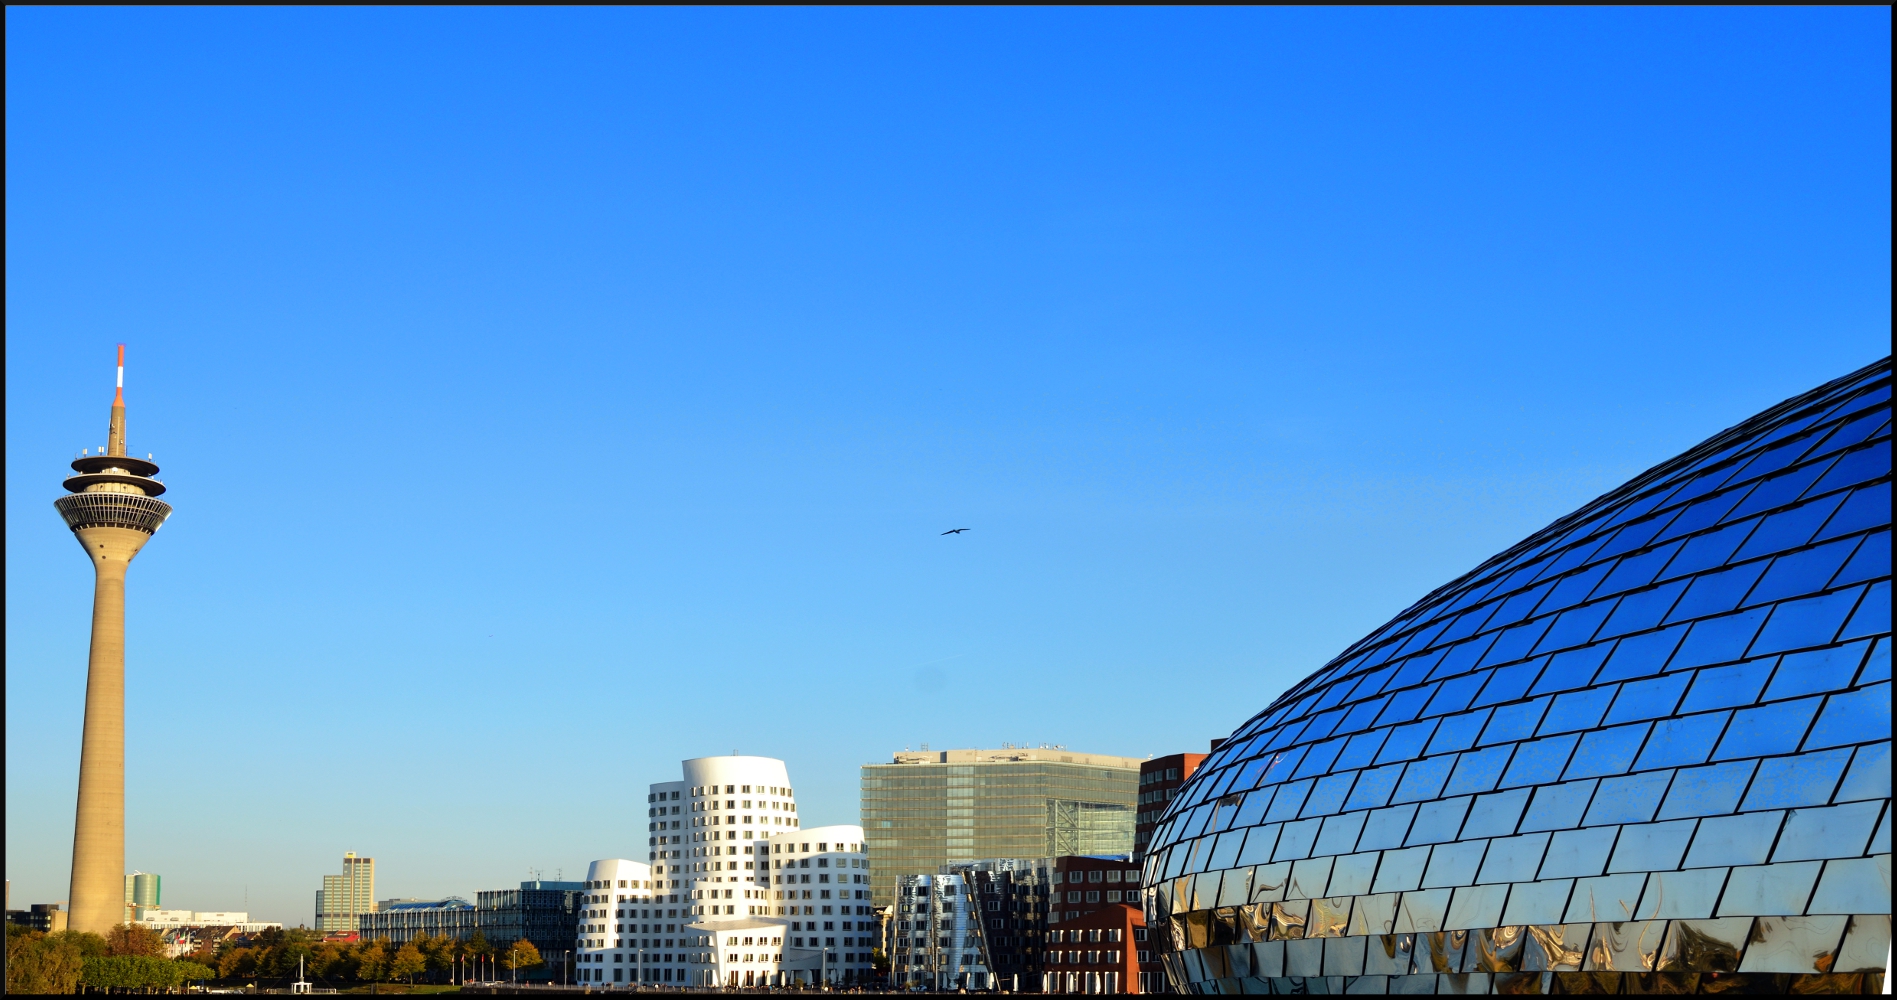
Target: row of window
1085, 957
1098, 875
701, 791
1093, 935
1154, 777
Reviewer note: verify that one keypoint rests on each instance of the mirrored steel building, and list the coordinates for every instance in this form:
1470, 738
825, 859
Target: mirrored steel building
1645, 750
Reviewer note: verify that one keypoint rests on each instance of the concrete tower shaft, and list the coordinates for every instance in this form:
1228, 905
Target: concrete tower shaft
113, 511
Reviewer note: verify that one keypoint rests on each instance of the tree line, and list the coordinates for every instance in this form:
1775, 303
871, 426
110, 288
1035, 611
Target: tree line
129, 956
134, 957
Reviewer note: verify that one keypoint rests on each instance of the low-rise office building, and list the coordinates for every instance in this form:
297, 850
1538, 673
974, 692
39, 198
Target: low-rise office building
400, 922
163, 920
543, 912
1096, 929
47, 917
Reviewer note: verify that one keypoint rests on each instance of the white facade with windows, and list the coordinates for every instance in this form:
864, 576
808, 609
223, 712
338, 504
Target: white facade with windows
620, 894
708, 909
819, 879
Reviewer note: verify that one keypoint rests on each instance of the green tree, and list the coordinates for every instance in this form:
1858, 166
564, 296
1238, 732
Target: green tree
90, 945
189, 972
521, 955
236, 961
39, 963
329, 959
131, 939
440, 951
372, 961
407, 962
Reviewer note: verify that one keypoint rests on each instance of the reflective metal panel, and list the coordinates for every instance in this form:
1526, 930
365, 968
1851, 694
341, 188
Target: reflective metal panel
1401, 870
1454, 864
1375, 914
1330, 917
1304, 958
1351, 875
1389, 954
1705, 945
1287, 919
1514, 859
1607, 896
1690, 894
1344, 956
1866, 944
1538, 902
1476, 906
1573, 853
1557, 948
1633, 946
1793, 944
1422, 911
1853, 885
1745, 839
1268, 882
1649, 847
1308, 878
1767, 890
1828, 832
1498, 949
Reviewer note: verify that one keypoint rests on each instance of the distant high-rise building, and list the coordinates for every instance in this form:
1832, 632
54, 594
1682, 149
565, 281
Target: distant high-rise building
1160, 780
345, 897
113, 510
141, 893
926, 809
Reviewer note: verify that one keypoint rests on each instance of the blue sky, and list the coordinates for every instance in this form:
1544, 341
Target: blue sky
548, 396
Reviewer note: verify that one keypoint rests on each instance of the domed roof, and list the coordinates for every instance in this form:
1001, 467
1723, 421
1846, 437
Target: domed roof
1654, 737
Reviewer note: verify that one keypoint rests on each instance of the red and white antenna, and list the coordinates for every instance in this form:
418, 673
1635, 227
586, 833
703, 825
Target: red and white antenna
118, 398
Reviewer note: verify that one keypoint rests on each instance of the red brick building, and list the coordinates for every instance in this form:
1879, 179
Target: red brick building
1096, 930
1160, 780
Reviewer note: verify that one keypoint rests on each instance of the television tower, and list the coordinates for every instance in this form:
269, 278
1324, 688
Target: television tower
112, 509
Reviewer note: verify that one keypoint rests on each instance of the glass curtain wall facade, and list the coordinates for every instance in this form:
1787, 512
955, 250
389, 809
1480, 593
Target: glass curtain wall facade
1645, 750
928, 809
546, 913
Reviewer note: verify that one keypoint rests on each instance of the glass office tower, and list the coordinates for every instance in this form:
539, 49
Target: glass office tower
1645, 750
926, 809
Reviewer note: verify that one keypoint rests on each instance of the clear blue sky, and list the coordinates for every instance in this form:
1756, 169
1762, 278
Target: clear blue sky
548, 396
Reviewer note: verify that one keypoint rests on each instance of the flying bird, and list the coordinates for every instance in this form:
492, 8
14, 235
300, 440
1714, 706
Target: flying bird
954, 531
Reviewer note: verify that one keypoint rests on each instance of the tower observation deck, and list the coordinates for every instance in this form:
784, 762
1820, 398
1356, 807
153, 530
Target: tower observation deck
113, 509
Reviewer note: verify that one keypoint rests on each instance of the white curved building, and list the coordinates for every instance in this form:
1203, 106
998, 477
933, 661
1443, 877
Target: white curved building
618, 892
723, 811
819, 878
